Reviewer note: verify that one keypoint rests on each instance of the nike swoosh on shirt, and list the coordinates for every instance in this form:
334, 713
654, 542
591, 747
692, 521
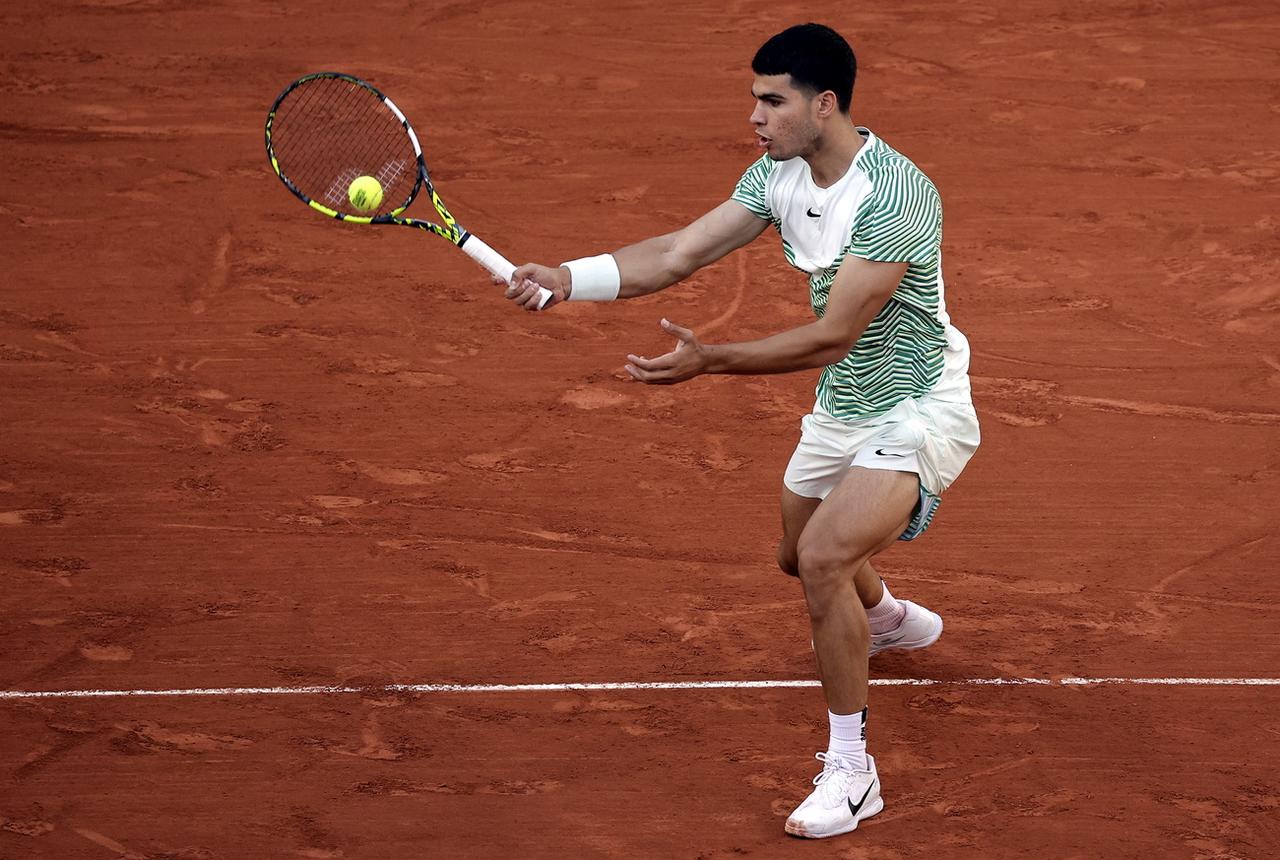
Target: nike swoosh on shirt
849, 800
880, 452
812, 214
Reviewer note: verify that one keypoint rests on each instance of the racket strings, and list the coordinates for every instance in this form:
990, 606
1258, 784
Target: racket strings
388, 176
328, 131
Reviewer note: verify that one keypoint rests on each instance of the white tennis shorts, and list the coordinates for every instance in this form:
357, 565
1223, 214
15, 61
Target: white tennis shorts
933, 435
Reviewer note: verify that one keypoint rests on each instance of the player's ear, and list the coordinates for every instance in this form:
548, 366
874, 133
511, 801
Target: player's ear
827, 103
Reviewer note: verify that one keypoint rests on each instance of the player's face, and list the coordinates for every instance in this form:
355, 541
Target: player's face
785, 118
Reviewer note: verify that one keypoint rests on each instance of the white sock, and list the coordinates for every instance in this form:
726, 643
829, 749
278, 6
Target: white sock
887, 614
849, 737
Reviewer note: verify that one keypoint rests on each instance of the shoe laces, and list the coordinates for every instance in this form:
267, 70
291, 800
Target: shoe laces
837, 774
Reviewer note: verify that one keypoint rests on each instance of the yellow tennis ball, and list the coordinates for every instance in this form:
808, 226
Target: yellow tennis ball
365, 193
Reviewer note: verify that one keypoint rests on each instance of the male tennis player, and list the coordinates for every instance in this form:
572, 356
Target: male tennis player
893, 424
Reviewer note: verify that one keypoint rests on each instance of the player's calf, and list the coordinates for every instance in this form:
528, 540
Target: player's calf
788, 563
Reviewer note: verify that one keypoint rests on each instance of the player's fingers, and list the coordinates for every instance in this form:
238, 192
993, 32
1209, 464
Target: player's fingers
683, 333
529, 301
524, 273
662, 362
651, 377
518, 291
546, 299
638, 373
530, 295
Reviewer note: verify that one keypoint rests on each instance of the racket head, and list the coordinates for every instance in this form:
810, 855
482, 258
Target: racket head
326, 129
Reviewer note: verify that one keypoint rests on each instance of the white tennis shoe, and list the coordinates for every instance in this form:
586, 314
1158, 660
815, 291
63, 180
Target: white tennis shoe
920, 628
844, 797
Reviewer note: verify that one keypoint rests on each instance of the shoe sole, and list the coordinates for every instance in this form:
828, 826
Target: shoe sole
873, 809
912, 644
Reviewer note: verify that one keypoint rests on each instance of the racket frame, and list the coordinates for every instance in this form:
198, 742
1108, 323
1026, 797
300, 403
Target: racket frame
450, 229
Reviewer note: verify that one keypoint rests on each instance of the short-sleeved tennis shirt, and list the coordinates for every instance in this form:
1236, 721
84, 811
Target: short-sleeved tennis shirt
884, 209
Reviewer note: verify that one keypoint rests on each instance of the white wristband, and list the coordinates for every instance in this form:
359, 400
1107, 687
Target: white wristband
595, 279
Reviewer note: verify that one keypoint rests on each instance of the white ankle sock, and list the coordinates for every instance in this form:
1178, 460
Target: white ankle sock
887, 614
849, 737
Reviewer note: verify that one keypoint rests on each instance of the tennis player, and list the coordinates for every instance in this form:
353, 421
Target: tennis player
893, 423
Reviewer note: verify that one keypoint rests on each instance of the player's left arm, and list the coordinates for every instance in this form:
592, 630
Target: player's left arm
860, 289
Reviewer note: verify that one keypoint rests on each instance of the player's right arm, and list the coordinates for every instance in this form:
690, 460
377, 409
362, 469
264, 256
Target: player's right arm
653, 264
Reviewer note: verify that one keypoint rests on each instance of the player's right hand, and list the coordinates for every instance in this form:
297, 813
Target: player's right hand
525, 281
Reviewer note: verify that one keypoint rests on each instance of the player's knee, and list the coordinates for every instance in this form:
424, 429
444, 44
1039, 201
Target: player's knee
787, 561
819, 565
826, 571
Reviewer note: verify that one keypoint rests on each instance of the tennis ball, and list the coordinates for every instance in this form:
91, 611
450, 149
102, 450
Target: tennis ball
365, 193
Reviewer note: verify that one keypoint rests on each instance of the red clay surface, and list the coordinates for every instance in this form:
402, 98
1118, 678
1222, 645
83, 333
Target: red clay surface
243, 445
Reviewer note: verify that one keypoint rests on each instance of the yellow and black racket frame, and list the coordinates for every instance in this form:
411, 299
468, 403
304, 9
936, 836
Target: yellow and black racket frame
450, 229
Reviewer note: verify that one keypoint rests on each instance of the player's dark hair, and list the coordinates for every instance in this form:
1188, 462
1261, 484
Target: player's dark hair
817, 58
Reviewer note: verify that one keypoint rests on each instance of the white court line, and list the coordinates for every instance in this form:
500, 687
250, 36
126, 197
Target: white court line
627, 685
1211, 682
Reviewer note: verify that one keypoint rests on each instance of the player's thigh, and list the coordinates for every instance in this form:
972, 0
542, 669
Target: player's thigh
863, 515
796, 512
816, 467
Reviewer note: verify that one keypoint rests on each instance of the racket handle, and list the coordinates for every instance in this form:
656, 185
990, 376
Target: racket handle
499, 265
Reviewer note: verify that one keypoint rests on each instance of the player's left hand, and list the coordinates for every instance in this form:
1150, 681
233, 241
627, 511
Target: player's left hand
687, 360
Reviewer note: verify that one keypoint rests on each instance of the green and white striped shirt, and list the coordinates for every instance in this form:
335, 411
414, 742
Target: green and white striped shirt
884, 209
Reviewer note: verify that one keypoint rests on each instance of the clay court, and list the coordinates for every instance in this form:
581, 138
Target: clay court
322, 485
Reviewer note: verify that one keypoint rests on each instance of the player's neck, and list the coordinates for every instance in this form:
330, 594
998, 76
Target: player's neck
834, 153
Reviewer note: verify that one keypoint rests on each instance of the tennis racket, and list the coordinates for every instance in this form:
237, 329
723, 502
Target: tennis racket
347, 151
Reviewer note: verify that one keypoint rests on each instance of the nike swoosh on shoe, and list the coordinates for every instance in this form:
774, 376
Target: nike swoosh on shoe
849, 800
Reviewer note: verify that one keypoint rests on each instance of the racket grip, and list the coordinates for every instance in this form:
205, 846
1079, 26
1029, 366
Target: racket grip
499, 265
